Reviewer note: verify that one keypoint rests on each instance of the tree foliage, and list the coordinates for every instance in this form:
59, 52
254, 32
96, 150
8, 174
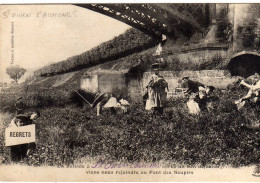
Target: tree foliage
15, 72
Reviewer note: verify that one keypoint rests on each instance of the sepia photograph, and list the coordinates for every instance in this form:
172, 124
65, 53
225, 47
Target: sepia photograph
130, 92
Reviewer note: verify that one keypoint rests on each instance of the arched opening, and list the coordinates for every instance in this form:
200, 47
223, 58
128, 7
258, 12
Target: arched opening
244, 64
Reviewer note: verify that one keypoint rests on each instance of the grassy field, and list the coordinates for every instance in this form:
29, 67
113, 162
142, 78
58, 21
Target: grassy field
68, 134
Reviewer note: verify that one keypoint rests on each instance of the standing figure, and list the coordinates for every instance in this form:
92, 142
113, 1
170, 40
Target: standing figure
18, 152
19, 106
156, 91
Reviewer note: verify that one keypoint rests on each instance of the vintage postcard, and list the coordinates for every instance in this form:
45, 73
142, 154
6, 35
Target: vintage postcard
130, 92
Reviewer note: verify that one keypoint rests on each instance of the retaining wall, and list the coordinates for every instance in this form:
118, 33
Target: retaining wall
135, 88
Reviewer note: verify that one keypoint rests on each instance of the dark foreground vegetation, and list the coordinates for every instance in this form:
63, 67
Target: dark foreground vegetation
67, 133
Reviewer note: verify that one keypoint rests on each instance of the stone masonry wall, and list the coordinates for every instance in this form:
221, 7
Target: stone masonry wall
217, 78
136, 87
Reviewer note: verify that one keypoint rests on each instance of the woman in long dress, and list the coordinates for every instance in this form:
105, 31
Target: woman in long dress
156, 91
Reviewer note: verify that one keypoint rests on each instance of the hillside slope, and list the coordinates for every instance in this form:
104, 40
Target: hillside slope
132, 41
138, 61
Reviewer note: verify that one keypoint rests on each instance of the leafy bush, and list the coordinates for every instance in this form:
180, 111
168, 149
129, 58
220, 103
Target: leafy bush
205, 64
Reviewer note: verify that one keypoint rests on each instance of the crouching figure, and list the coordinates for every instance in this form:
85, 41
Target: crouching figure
198, 94
193, 104
201, 100
108, 100
251, 96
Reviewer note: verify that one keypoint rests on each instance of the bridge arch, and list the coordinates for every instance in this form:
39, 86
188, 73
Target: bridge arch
244, 64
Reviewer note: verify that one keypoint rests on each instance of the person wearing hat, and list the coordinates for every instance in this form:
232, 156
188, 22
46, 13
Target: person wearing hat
198, 95
192, 86
23, 119
18, 152
156, 89
19, 106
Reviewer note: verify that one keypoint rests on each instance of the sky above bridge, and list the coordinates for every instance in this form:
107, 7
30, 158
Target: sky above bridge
34, 36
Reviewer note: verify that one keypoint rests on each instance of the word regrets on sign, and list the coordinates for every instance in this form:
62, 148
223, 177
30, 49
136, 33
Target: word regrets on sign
20, 135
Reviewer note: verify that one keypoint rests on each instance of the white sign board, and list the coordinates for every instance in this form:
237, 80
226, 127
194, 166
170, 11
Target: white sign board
20, 135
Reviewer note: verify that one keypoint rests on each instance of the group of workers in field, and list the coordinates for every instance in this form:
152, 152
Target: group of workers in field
157, 88
154, 99
198, 94
155, 95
